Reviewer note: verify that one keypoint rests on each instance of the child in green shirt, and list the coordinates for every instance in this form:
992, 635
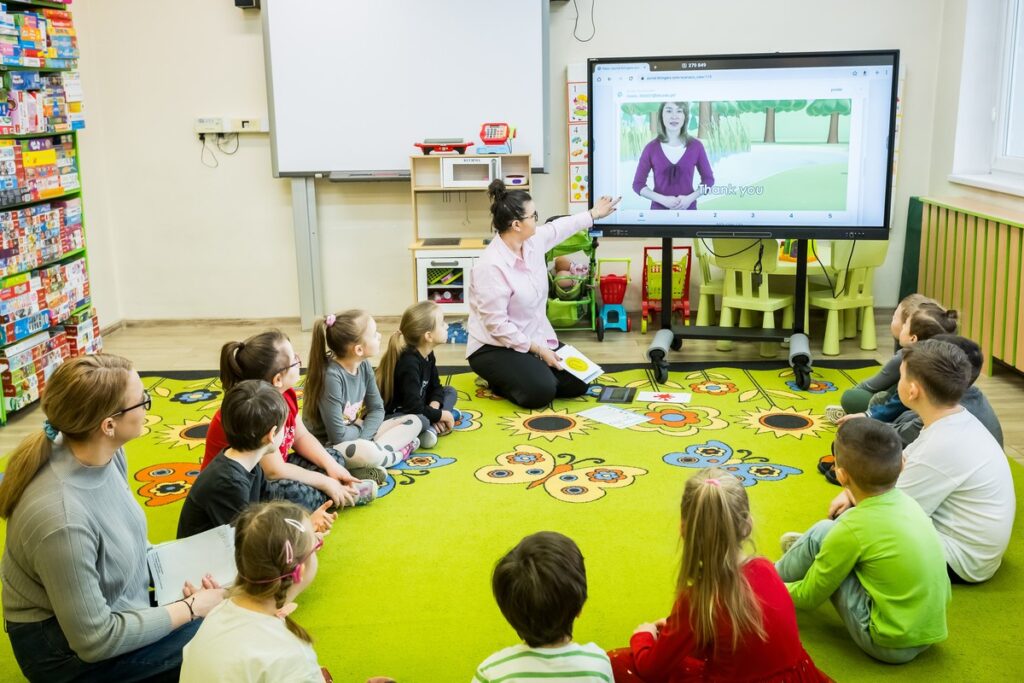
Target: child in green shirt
881, 562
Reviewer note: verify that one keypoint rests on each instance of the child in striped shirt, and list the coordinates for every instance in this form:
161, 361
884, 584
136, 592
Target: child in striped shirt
540, 587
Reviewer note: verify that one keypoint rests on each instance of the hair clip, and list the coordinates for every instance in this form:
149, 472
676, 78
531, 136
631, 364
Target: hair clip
329, 319
712, 481
51, 432
289, 554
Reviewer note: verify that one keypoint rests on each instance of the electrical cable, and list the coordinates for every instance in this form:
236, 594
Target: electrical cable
576, 23
220, 142
831, 287
202, 153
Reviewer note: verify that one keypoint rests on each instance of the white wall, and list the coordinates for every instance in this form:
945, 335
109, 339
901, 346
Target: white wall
173, 239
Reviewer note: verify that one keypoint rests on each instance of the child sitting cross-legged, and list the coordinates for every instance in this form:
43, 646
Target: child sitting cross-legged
540, 587
252, 416
733, 619
881, 563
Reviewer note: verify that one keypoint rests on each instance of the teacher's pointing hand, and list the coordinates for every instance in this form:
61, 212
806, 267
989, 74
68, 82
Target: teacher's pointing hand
604, 206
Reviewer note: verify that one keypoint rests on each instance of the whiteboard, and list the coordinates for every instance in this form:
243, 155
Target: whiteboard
352, 84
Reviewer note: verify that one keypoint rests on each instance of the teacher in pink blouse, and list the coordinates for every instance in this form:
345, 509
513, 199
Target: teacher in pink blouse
511, 343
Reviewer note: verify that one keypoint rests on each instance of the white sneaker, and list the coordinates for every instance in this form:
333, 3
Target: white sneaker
428, 438
787, 540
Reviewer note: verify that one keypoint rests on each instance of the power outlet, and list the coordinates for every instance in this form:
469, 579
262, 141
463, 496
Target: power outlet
209, 124
220, 124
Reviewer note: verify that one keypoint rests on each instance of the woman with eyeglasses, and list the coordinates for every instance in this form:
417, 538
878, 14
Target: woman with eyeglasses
511, 343
75, 580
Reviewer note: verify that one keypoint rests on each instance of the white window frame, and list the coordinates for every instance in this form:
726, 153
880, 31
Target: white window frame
1011, 82
981, 129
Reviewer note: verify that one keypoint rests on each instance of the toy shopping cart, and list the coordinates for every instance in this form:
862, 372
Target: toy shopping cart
650, 306
612, 314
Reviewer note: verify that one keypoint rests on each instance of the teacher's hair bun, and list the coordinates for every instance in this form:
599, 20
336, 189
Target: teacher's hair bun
497, 190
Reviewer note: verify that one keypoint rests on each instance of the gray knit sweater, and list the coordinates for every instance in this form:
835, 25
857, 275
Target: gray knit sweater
76, 549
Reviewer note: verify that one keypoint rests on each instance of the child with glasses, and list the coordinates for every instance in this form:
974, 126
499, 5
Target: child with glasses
306, 473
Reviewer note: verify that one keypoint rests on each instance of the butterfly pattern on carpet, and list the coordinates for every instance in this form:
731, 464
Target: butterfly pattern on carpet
741, 463
570, 481
406, 472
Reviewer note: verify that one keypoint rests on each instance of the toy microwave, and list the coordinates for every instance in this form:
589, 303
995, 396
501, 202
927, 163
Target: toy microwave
469, 171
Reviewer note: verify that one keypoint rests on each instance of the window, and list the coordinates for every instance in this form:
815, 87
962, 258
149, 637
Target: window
989, 144
1009, 147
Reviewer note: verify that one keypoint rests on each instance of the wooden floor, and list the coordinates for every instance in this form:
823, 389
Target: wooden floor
196, 346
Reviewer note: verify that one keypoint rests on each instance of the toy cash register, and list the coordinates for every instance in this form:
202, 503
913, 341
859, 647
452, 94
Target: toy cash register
497, 138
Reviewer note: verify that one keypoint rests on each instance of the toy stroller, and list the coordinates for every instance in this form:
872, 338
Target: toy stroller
572, 299
651, 304
613, 314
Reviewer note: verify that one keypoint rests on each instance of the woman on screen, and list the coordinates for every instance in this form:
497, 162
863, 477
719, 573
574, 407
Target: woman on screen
673, 156
511, 343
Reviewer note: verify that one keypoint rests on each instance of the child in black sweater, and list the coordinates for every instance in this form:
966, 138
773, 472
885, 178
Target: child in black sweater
253, 415
407, 374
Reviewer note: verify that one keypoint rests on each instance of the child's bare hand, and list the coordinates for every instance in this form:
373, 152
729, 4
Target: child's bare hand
647, 628
322, 519
447, 419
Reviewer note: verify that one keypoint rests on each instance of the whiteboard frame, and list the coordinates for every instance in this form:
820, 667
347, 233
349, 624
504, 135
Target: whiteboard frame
403, 174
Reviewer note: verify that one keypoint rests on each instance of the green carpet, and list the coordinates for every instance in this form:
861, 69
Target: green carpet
404, 584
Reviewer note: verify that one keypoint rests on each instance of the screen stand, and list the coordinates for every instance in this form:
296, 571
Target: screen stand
670, 337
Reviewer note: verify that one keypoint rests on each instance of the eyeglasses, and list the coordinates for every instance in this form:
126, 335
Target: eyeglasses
297, 361
147, 403
534, 216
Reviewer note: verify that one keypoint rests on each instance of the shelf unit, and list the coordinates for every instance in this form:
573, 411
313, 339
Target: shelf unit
443, 261
46, 313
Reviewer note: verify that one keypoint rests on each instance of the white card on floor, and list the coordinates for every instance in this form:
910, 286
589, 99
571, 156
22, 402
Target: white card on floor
173, 563
663, 397
614, 417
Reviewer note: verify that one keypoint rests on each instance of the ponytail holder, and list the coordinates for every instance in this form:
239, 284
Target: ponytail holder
51, 432
329, 319
712, 482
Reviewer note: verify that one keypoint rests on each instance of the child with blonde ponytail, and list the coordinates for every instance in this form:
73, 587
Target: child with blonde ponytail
407, 374
733, 619
342, 404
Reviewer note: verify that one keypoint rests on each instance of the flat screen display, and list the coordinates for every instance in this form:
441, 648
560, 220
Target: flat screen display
774, 145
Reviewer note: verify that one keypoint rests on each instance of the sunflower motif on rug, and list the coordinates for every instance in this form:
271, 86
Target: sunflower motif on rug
547, 424
190, 434
675, 419
785, 422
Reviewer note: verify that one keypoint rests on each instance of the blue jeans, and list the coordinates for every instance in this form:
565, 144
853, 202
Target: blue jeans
43, 654
851, 600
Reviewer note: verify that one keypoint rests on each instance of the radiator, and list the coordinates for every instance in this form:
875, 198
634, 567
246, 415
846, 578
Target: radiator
971, 260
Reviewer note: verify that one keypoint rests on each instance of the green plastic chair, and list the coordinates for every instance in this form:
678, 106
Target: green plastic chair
855, 300
737, 257
709, 288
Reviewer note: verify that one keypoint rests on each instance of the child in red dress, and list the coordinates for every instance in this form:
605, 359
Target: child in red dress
733, 619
